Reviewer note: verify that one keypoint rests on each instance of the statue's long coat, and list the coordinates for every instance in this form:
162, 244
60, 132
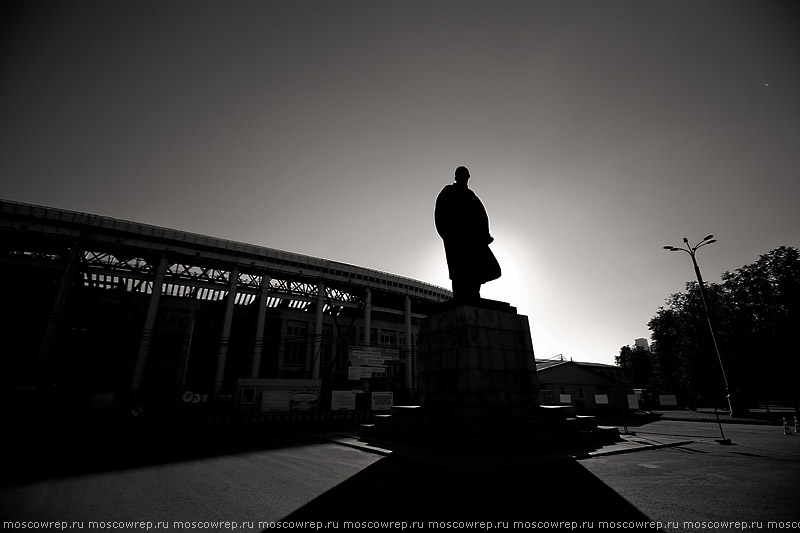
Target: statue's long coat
463, 225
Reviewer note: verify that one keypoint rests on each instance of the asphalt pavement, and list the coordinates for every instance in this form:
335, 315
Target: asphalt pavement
752, 484
333, 477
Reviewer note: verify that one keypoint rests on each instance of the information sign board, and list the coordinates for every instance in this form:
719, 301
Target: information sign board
275, 400
343, 400
382, 401
633, 401
668, 400
369, 363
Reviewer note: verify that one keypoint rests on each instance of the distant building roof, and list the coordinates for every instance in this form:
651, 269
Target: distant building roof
610, 371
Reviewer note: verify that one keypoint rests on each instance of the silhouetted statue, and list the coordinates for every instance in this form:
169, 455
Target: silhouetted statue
463, 225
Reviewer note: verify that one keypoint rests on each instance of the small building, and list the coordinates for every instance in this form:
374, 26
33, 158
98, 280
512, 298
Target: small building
643, 344
593, 388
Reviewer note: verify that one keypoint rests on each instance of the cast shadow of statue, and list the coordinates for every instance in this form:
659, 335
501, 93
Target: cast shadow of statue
402, 489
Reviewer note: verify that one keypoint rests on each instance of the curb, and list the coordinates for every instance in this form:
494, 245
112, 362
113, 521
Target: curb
355, 444
632, 449
352, 442
724, 418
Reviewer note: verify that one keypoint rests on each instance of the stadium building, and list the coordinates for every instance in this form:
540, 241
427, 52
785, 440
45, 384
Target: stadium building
102, 314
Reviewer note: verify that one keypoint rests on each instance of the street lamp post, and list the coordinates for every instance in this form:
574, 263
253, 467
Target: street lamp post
692, 250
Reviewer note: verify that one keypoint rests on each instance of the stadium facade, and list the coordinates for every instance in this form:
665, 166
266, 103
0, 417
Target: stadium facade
101, 313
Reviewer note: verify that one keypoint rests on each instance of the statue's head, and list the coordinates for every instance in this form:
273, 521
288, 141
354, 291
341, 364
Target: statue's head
462, 175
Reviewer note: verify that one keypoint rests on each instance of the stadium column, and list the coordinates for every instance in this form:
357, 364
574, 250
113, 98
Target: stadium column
225, 339
367, 316
54, 318
149, 325
259, 340
318, 330
186, 349
409, 368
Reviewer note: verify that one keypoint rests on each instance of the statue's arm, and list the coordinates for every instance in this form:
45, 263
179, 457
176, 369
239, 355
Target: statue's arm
484, 218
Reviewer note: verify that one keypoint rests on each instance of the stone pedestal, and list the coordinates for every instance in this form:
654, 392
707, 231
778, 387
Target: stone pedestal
476, 362
477, 384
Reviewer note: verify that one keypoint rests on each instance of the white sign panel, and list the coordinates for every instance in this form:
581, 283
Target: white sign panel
360, 354
343, 400
366, 364
382, 401
601, 399
303, 401
667, 400
633, 401
275, 400
372, 361
565, 398
354, 373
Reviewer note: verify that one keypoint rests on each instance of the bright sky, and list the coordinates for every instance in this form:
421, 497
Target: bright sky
595, 132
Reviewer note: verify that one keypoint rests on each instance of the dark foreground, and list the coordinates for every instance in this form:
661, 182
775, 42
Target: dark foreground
233, 481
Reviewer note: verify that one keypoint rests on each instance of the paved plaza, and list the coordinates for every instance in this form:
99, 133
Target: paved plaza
332, 477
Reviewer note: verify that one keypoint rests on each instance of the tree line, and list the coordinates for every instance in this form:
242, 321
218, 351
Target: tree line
755, 314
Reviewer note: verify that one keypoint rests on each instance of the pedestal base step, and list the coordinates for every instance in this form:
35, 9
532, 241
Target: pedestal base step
412, 423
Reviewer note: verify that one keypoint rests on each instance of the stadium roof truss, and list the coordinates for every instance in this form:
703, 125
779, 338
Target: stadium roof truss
120, 255
103, 270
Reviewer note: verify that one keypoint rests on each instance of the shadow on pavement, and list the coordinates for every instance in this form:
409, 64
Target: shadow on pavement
55, 450
396, 488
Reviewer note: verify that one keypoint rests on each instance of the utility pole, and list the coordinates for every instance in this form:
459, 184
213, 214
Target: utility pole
692, 250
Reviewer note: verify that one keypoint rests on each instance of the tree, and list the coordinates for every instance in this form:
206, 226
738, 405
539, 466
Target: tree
682, 349
764, 317
636, 361
755, 313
